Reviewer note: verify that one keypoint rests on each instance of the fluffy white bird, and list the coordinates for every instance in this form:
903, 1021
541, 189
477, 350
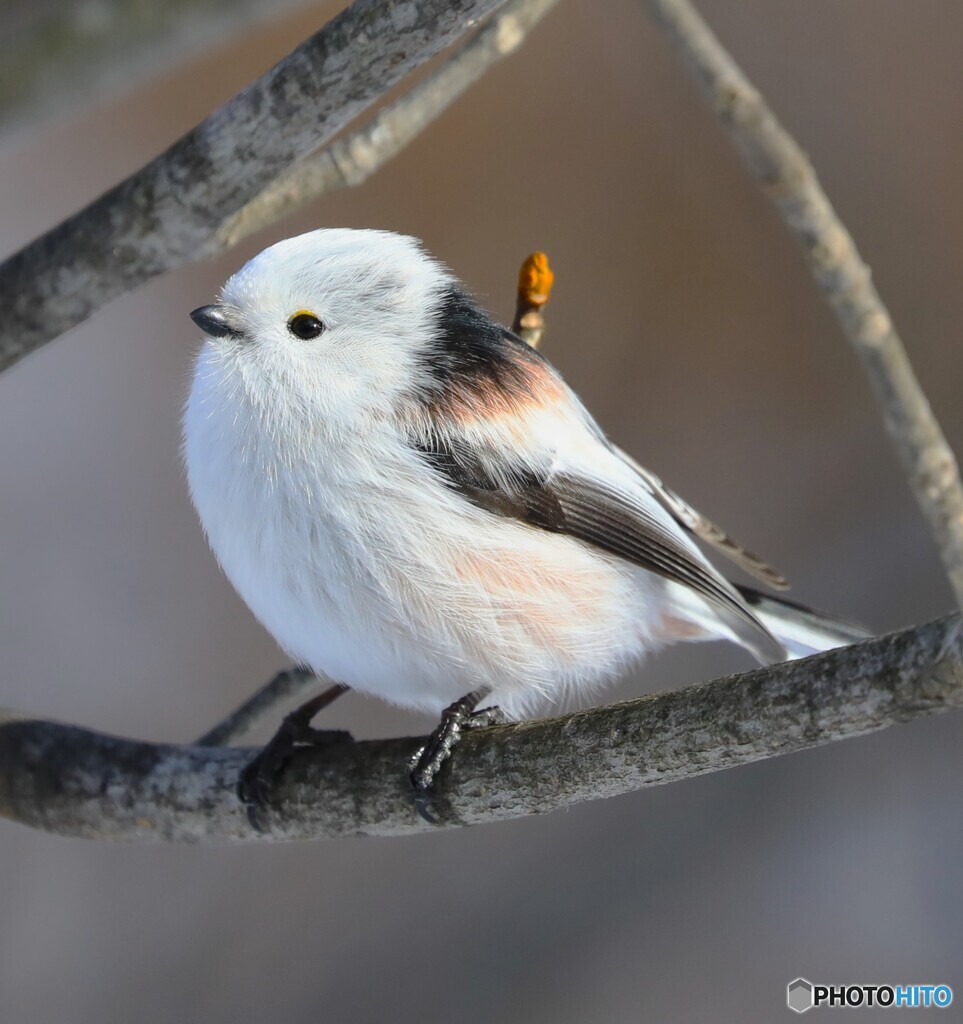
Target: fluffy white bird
413, 502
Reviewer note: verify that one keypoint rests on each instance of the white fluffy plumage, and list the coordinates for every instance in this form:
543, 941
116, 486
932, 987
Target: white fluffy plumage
416, 505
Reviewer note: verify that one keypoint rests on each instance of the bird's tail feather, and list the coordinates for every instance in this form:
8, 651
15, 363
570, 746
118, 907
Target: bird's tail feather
801, 630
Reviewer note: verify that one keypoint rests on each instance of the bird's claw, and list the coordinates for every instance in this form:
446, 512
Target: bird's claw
428, 760
259, 777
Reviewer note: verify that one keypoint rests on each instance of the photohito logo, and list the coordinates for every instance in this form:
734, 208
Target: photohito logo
803, 995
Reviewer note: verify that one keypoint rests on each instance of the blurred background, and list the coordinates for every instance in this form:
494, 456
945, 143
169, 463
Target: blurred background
685, 318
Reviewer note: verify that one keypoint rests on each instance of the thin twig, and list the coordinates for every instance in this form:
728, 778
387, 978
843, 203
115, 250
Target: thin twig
281, 690
170, 211
75, 782
351, 161
786, 175
535, 281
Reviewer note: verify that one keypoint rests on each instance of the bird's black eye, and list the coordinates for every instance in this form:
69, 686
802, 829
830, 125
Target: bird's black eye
305, 325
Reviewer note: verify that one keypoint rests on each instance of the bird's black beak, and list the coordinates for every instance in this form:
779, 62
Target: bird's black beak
214, 322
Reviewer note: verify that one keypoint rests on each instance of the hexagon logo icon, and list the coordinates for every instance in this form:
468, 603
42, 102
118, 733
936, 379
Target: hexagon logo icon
799, 995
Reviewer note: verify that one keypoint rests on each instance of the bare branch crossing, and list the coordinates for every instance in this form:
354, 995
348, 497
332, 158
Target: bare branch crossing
349, 162
76, 782
187, 204
170, 211
783, 171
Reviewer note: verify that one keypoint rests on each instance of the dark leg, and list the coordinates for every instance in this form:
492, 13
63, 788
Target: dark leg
428, 760
258, 778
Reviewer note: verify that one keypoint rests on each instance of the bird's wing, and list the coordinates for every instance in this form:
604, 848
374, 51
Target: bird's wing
610, 514
564, 501
699, 526
504, 430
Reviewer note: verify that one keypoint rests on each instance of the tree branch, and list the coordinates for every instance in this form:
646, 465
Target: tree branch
75, 782
282, 689
785, 174
351, 161
170, 211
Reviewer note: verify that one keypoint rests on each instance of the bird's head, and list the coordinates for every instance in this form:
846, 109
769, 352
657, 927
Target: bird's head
334, 322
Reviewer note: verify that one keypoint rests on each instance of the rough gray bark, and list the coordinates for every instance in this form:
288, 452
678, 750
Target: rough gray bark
785, 174
350, 161
75, 782
170, 211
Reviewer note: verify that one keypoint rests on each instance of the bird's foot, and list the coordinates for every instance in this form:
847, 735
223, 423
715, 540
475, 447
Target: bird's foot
427, 761
258, 778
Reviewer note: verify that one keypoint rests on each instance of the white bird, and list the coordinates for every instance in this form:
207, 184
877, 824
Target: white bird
415, 504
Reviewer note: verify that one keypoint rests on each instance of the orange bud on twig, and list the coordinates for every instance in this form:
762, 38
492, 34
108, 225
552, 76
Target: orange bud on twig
534, 289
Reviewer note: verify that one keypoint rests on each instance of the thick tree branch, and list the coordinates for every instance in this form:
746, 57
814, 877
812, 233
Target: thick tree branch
782, 169
170, 212
352, 160
76, 782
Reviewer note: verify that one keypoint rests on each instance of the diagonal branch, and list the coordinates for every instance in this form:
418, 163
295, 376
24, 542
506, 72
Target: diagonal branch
282, 689
76, 782
783, 171
349, 162
170, 211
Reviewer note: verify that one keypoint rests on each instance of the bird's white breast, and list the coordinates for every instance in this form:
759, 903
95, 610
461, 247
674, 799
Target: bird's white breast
363, 565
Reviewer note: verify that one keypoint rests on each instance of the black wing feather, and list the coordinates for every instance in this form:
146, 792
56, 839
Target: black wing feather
583, 509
